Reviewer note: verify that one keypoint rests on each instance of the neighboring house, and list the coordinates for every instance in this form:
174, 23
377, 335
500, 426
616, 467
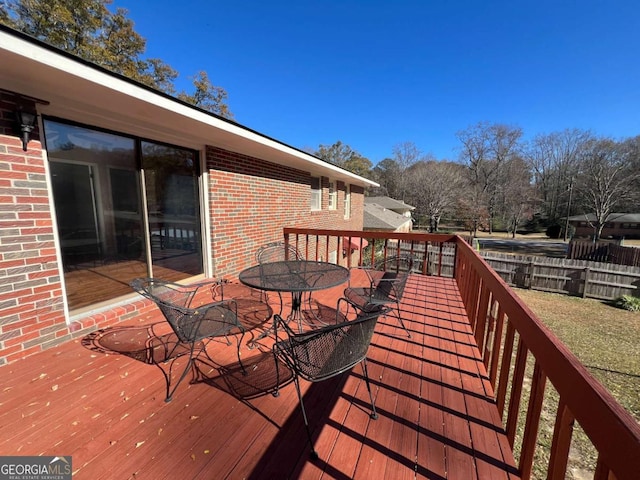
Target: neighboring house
618, 225
386, 214
380, 219
119, 181
397, 206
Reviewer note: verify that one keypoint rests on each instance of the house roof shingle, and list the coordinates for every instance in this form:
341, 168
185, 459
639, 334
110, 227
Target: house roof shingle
377, 217
388, 202
612, 218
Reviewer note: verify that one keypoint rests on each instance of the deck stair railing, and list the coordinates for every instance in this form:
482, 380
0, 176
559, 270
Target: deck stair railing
509, 337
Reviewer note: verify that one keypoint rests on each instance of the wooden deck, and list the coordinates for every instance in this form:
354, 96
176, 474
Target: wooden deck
437, 418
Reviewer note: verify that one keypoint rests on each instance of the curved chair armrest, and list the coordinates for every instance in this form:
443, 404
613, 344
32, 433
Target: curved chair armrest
279, 321
195, 320
368, 270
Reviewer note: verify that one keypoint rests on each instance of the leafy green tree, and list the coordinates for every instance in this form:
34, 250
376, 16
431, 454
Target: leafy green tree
344, 156
387, 173
207, 96
89, 30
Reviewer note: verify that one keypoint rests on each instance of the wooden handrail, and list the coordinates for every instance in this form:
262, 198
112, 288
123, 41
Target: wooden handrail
614, 433
612, 430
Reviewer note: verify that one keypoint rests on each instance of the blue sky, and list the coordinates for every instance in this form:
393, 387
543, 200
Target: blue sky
374, 74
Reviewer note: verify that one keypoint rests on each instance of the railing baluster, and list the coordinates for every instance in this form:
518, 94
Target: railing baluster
425, 259
490, 340
505, 367
497, 344
561, 443
602, 471
472, 310
533, 420
481, 317
516, 391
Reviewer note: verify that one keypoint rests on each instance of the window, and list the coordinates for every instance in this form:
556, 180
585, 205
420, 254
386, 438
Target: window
316, 193
347, 202
333, 195
124, 207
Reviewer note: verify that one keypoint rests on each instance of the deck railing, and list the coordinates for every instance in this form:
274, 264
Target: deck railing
509, 337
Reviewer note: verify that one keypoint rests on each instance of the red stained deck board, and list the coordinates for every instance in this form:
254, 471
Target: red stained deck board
108, 411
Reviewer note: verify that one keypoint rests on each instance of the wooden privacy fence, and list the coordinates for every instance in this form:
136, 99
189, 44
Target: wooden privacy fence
604, 252
587, 279
574, 277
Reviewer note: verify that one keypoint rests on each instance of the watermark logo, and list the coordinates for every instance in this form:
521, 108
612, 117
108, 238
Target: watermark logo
35, 468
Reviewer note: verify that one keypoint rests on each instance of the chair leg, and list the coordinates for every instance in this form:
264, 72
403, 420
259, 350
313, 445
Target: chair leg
276, 393
400, 319
184, 374
314, 454
244, 371
374, 414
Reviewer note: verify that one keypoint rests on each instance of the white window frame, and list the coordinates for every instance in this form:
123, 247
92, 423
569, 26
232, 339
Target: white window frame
347, 201
333, 195
316, 194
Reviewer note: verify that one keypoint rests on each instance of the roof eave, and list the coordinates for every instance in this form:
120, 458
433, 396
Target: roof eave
83, 92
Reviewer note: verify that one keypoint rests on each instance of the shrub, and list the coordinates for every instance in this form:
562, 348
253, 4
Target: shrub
554, 231
627, 302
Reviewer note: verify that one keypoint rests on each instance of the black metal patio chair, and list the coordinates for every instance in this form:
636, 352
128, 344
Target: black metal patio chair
277, 252
385, 285
194, 323
328, 351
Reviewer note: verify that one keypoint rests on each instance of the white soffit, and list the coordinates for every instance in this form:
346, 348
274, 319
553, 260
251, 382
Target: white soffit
77, 91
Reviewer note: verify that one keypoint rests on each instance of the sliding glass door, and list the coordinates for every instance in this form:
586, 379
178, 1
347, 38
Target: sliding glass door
125, 208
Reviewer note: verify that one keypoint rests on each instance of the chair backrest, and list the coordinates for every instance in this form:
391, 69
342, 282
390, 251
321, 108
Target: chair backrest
396, 273
397, 264
164, 292
331, 350
277, 252
174, 301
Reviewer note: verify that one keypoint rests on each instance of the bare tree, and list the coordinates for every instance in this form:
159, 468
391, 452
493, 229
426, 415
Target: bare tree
605, 180
554, 159
434, 189
405, 155
485, 148
518, 195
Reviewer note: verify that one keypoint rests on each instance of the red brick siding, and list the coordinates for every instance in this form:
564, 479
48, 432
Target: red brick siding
609, 230
252, 200
31, 306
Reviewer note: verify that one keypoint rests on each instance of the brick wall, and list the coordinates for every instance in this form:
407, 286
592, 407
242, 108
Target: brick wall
252, 200
31, 307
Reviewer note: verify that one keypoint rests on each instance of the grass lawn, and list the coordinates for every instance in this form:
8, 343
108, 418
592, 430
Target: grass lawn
607, 341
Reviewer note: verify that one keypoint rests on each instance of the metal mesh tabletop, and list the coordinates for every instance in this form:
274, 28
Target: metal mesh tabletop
294, 276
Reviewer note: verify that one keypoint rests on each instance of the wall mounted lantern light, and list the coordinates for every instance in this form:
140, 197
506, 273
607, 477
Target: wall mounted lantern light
27, 122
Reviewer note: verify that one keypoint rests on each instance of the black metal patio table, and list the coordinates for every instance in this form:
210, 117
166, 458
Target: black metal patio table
294, 276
